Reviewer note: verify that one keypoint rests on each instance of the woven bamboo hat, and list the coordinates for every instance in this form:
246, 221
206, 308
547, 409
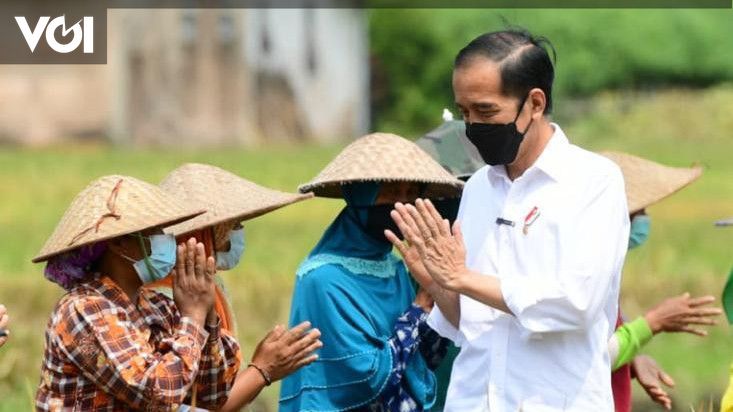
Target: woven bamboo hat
225, 196
649, 182
113, 206
383, 157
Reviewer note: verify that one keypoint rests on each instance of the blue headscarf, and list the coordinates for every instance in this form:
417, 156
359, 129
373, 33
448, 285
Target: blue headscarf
353, 289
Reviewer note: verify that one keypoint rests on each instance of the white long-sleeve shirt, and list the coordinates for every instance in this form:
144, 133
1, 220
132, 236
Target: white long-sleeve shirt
560, 269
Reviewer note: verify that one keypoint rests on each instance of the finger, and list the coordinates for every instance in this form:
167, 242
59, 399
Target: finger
697, 320
305, 340
306, 361
297, 332
210, 267
4, 319
659, 394
3, 310
312, 338
693, 331
708, 312
190, 258
458, 235
407, 231
666, 379
277, 332
407, 217
427, 217
3, 340
656, 391
199, 265
664, 400
399, 215
308, 350
423, 229
179, 273
703, 300
396, 242
443, 229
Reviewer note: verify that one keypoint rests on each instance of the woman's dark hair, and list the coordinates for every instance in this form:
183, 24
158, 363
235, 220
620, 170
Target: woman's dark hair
524, 62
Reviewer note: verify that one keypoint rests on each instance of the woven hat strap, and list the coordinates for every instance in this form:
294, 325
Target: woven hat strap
111, 206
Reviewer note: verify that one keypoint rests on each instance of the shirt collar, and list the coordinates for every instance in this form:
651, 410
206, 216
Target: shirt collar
551, 161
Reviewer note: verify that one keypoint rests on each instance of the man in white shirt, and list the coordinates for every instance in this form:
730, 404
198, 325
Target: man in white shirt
527, 280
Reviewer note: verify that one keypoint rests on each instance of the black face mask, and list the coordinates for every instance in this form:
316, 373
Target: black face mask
448, 208
498, 144
379, 220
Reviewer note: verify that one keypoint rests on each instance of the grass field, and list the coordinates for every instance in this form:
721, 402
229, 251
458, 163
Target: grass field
684, 253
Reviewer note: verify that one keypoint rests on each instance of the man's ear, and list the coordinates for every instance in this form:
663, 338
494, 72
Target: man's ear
537, 101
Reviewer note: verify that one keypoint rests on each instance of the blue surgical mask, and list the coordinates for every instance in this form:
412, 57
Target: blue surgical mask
640, 226
229, 259
161, 260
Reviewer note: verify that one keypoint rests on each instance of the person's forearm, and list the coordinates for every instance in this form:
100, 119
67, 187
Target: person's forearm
448, 303
631, 337
485, 289
247, 386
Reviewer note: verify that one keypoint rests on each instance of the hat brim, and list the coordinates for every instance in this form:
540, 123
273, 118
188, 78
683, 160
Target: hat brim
132, 229
238, 217
332, 189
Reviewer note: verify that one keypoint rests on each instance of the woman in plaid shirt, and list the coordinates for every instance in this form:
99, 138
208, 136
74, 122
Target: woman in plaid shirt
105, 349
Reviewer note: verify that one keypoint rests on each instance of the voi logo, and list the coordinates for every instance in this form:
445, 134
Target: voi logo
82, 33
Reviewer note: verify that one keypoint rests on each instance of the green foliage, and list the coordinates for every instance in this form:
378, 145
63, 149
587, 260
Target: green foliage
597, 50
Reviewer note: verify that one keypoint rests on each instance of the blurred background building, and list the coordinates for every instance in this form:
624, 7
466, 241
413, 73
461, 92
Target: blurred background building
199, 77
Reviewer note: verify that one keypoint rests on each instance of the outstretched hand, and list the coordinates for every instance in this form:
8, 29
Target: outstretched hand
283, 351
681, 313
651, 377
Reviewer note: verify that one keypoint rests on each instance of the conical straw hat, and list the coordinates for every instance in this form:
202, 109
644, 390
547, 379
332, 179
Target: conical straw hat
113, 206
383, 157
649, 182
225, 196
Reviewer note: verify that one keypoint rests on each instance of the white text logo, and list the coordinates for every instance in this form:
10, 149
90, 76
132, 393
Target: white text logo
82, 32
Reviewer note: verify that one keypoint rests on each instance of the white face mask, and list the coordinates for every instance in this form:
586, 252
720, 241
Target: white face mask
229, 259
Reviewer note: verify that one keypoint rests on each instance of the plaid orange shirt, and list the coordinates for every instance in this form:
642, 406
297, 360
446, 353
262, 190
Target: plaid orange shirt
104, 353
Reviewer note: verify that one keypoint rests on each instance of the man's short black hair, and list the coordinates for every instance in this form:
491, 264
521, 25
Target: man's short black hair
524, 61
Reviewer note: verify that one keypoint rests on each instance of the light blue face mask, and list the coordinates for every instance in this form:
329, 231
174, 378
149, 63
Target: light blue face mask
229, 259
640, 226
161, 260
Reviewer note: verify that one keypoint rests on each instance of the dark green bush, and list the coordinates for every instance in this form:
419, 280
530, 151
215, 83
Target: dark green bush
413, 51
